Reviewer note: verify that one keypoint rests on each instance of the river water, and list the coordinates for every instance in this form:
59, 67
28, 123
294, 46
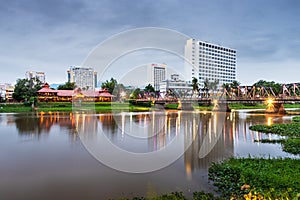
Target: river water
63, 156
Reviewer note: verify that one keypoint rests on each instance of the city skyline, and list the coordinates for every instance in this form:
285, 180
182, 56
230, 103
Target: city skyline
50, 36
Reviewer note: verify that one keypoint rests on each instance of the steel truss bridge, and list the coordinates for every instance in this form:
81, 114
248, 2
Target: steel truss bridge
289, 94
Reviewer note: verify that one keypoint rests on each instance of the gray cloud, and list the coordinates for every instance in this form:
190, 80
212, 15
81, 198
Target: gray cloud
51, 35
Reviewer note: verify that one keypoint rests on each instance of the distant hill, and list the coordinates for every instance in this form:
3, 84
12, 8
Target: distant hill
55, 85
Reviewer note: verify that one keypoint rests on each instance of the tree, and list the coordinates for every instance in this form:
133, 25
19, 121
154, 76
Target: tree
110, 85
235, 84
67, 86
26, 88
137, 93
276, 87
115, 88
149, 88
195, 84
226, 86
120, 91
214, 85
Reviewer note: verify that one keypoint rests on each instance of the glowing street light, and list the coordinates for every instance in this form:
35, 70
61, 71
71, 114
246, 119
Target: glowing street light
270, 101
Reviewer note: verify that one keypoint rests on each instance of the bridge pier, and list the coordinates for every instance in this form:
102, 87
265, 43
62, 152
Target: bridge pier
160, 105
185, 106
221, 107
277, 108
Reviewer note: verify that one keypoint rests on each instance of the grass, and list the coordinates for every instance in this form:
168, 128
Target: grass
291, 105
108, 106
9, 108
262, 178
290, 144
203, 108
172, 106
69, 107
246, 106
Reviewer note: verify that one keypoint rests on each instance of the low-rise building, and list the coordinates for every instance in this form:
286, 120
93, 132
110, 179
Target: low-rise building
174, 84
46, 94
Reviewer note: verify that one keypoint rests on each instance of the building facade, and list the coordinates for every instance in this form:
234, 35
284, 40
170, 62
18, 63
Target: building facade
46, 94
83, 77
175, 84
36, 75
210, 61
9, 93
6, 92
157, 74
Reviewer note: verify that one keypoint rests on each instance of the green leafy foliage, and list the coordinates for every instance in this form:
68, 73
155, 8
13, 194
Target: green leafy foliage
291, 145
195, 84
296, 119
149, 88
110, 85
117, 89
137, 93
205, 196
279, 129
272, 178
26, 88
67, 86
276, 87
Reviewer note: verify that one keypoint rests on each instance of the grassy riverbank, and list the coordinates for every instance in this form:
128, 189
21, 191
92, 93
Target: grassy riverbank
112, 106
263, 178
69, 107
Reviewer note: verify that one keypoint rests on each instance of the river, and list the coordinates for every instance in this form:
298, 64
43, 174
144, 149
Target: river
58, 155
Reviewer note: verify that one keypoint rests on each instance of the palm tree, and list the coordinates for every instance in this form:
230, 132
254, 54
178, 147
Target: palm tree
234, 85
195, 84
214, 85
206, 86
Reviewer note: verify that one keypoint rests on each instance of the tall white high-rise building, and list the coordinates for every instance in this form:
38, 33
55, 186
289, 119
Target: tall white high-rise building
36, 75
210, 61
83, 77
156, 73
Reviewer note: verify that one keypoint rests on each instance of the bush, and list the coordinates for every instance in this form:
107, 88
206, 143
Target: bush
140, 103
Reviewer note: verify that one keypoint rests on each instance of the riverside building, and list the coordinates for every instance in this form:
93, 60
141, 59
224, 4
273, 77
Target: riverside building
210, 61
83, 77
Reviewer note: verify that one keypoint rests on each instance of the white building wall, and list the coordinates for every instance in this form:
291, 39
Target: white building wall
83, 77
156, 74
210, 61
36, 75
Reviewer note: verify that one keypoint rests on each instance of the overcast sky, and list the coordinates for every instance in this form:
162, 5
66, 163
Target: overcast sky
52, 35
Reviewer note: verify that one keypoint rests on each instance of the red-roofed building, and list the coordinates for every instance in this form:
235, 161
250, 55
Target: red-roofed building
46, 94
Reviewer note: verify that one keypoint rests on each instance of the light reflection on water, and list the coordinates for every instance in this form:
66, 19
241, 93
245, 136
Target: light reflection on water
42, 157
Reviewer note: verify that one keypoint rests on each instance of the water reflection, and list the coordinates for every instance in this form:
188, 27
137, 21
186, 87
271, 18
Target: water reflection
146, 132
48, 164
